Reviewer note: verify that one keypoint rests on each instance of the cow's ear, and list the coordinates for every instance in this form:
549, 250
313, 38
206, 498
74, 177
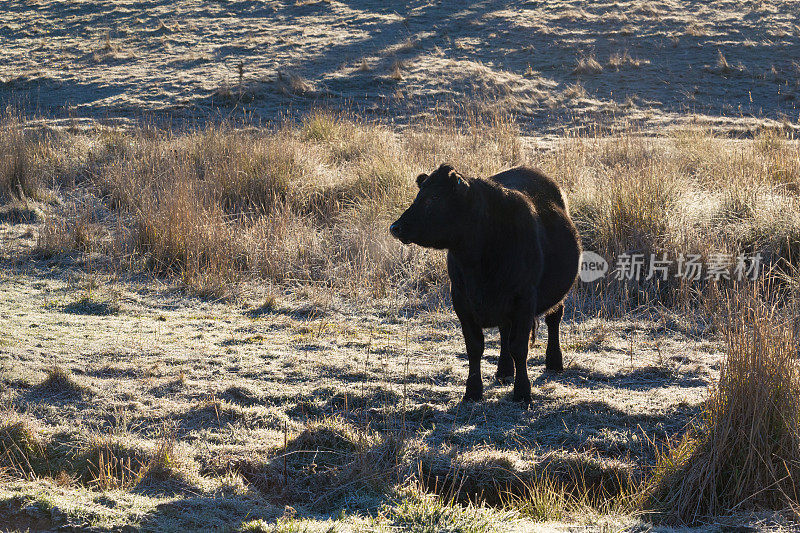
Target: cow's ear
459, 182
421, 179
444, 169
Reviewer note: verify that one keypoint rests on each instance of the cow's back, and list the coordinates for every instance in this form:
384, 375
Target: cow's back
542, 190
561, 243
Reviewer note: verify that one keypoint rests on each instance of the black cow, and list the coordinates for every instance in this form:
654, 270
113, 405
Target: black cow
513, 255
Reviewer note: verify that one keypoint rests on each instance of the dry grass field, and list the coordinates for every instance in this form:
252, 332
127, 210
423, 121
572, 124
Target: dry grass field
202, 328
556, 64
206, 325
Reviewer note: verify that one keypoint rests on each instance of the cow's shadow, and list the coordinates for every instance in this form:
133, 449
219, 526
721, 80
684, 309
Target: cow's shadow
634, 379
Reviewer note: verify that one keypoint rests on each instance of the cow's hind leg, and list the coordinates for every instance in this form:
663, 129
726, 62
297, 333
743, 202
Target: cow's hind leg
505, 364
553, 359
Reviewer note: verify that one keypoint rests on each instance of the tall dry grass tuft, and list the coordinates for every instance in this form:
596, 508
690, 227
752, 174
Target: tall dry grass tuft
109, 462
168, 466
692, 194
18, 177
745, 452
547, 489
35, 163
588, 65
330, 459
22, 448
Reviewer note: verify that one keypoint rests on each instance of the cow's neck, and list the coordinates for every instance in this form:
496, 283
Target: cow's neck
483, 238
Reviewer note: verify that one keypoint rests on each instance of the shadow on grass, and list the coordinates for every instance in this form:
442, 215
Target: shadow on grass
60, 386
207, 513
308, 311
357, 405
636, 379
90, 306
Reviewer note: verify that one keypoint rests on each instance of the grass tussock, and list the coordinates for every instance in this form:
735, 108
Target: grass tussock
588, 65
574, 91
422, 513
328, 460
169, 468
551, 488
620, 60
218, 206
21, 212
18, 157
745, 451
109, 463
692, 194
60, 382
22, 448
696, 30
98, 461
90, 305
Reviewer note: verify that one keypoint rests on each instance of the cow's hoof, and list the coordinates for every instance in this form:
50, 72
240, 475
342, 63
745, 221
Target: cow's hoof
470, 397
553, 361
474, 391
504, 378
524, 400
522, 395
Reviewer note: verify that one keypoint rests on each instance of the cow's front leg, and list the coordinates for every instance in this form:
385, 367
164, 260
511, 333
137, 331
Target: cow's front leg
473, 338
519, 335
505, 363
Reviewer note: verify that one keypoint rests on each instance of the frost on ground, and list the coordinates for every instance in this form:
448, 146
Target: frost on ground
238, 387
732, 65
125, 401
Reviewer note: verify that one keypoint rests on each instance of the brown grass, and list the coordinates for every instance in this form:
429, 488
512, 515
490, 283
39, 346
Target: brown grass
109, 462
696, 30
575, 90
291, 83
309, 203
217, 206
396, 71
25, 212
745, 452
99, 461
330, 459
18, 154
168, 467
22, 449
619, 60
588, 65
723, 67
